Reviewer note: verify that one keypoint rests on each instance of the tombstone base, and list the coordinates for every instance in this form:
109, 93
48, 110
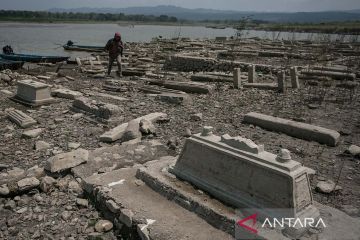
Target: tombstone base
36, 103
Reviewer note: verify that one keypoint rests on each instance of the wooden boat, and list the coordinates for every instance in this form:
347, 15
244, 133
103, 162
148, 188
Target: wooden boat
8, 64
33, 58
73, 47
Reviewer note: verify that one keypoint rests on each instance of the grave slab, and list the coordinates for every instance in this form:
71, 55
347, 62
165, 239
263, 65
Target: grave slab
238, 172
294, 129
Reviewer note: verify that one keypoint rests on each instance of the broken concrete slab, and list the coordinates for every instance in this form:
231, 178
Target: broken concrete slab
117, 132
32, 93
34, 133
148, 209
334, 75
188, 87
65, 161
106, 159
66, 93
21, 118
294, 129
99, 109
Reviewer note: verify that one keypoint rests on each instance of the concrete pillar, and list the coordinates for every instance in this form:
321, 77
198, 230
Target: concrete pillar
281, 82
252, 74
237, 78
294, 78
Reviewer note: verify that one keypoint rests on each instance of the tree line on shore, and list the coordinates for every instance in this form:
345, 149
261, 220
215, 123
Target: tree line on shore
70, 16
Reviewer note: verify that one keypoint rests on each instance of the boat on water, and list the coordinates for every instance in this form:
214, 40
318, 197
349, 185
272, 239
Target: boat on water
70, 46
9, 64
32, 58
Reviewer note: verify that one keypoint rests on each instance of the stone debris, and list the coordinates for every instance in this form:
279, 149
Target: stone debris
118, 132
354, 150
41, 145
327, 187
65, 161
103, 226
66, 93
28, 184
99, 109
47, 184
188, 87
21, 118
34, 133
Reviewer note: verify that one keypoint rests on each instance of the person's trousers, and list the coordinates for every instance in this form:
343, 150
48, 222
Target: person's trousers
118, 62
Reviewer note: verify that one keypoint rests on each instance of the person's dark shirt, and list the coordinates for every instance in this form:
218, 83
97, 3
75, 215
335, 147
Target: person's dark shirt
114, 48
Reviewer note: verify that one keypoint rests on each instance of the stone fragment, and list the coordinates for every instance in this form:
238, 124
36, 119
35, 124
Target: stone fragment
103, 226
327, 187
146, 127
34, 133
82, 202
196, 117
187, 132
99, 109
47, 183
66, 161
188, 87
126, 217
132, 131
354, 150
75, 188
174, 98
41, 145
66, 93
112, 206
118, 132
66, 215
295, 129
21, 119
73, 145
4, 190
28, 184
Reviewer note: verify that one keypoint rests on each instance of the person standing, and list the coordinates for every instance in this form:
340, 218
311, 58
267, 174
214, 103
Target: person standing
115, 47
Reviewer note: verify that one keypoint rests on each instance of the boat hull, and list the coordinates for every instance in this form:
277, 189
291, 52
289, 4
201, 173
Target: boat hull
33, 58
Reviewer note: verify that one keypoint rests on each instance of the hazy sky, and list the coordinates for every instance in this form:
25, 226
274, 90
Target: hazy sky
241, 5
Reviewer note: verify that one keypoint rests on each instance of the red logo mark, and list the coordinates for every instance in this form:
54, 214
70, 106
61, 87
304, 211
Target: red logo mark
253, 217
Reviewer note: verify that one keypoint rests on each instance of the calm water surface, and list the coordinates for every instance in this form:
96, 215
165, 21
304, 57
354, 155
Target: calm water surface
46, 38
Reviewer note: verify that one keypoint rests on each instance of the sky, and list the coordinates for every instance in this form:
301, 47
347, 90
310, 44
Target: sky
239, 5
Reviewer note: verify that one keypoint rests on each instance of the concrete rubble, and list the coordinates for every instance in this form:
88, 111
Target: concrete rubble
86, 156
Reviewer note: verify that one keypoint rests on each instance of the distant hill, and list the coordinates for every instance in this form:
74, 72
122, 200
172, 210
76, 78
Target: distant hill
210, 14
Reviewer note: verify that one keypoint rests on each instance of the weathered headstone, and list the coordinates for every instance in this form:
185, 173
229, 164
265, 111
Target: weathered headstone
33, 93
294, 77
252, 78
281, 82
241, 173
237, 78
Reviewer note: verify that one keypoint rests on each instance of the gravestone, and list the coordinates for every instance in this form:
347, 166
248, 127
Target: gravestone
252, 74
33, 93
281, 82
237, 78
241, 173
294, 78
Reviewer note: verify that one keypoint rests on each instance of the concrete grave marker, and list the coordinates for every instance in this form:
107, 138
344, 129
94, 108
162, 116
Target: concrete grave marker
33, 93
252, 77
242, 174
294, 78
237, 78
